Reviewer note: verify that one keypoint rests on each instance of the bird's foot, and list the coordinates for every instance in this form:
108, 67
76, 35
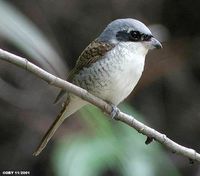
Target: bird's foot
114, 112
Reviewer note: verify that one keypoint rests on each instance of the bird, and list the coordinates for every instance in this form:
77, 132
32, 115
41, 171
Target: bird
109, 68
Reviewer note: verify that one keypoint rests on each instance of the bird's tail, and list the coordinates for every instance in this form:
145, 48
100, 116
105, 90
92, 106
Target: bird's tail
69, 108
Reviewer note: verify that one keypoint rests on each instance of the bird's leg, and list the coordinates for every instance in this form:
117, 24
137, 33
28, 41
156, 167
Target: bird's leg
114, 112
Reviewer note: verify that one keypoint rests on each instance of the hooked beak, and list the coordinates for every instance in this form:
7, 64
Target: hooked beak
155, 43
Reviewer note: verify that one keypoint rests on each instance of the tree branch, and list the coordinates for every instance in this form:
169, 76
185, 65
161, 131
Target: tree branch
85, 95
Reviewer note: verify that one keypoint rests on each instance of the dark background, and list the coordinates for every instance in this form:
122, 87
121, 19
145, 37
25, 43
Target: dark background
167, 96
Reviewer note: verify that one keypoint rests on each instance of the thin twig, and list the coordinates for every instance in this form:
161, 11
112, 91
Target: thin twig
85, 95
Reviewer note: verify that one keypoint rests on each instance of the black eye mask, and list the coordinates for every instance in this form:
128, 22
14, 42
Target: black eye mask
134, 36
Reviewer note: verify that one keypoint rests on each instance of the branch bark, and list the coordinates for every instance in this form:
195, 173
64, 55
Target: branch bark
151, 133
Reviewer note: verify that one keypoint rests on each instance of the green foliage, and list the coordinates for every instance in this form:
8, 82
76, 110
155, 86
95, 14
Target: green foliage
21, 32
109, 146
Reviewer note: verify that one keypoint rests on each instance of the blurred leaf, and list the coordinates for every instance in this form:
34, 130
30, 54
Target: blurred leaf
19, 30
111, 146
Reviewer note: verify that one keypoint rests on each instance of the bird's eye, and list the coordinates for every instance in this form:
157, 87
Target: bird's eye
135, 36
146, 37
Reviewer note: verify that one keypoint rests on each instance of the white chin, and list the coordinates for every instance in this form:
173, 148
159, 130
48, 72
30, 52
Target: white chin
149, 46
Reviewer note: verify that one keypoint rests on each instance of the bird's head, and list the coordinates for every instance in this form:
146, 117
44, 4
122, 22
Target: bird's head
129, 30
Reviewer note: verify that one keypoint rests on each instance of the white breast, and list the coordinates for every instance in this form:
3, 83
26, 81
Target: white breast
113, 77
127, 69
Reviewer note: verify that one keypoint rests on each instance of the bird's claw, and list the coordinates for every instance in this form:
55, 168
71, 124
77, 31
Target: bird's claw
114, 112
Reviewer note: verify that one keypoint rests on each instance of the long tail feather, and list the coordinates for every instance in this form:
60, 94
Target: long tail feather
59, 96
66, 111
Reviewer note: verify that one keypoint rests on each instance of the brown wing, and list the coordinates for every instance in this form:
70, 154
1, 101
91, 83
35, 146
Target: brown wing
93, 52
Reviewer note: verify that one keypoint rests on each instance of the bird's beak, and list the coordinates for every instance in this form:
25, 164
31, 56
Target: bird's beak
155, 43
